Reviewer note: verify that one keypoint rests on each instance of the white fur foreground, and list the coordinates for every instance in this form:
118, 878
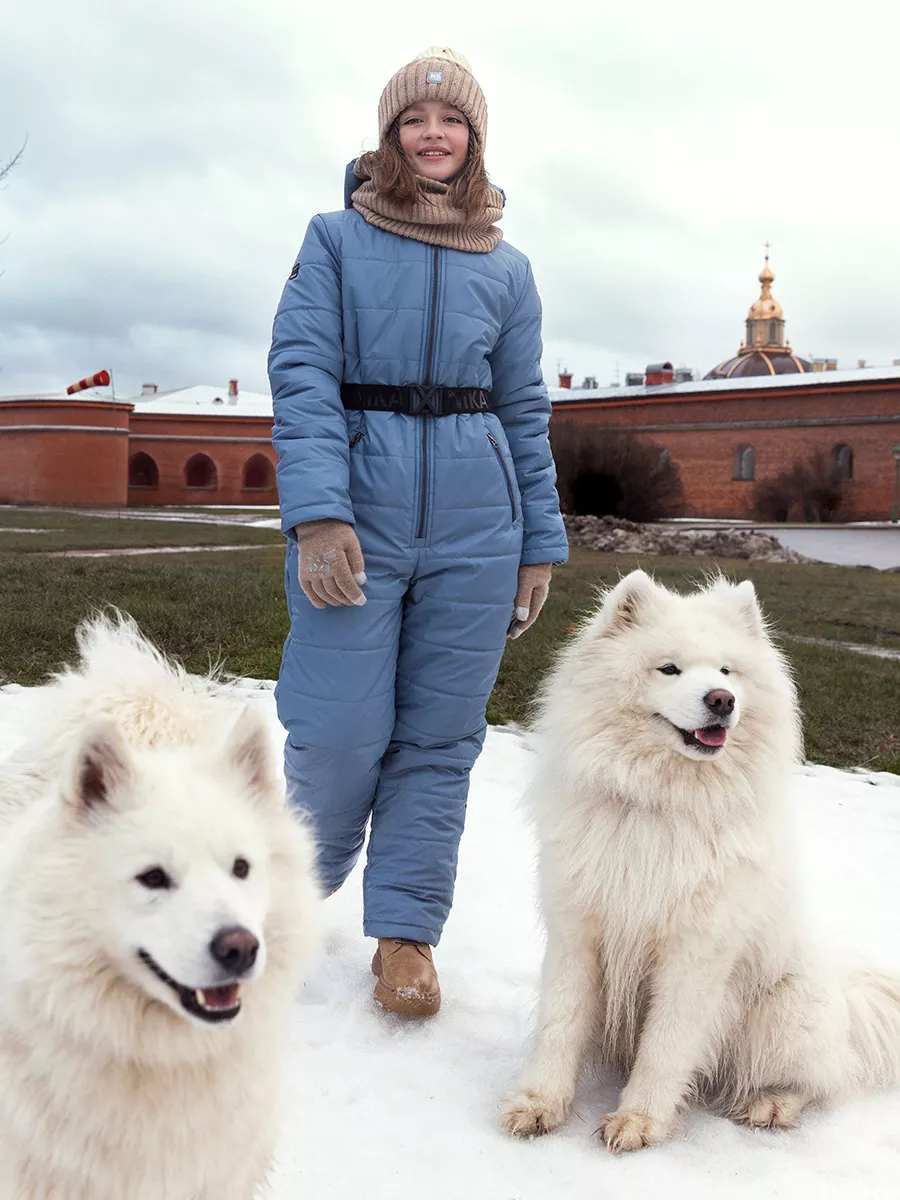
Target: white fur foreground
158, 908
374, 1104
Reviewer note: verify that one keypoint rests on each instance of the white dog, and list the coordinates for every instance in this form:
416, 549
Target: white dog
675, 942
158, 904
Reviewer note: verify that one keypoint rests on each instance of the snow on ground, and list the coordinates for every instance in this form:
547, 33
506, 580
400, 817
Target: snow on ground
385, 1108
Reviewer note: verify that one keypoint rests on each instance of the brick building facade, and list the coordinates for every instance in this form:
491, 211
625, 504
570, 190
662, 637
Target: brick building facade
760, 413
197, 446
204, 445
756, 415
727, 434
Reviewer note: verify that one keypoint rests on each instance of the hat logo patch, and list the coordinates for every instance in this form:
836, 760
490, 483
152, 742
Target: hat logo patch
434, 75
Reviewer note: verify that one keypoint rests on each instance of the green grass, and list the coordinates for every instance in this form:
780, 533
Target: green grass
203, 607
63, 530
199, 607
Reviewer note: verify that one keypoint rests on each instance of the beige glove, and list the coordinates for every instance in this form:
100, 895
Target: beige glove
331, 563
534, 587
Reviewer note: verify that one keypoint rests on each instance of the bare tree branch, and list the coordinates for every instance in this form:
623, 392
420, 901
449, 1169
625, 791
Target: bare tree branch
6, 167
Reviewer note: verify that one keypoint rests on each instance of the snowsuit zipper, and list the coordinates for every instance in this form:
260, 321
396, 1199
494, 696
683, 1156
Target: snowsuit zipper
505, 470
429, 363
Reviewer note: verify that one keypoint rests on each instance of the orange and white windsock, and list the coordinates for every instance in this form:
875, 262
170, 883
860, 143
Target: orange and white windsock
101, 379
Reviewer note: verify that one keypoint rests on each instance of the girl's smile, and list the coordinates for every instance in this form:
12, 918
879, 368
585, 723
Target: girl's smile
434, 138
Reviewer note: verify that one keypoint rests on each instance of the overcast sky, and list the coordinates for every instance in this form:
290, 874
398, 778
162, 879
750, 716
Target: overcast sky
177, 149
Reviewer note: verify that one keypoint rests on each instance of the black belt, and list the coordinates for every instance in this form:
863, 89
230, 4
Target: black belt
415, 399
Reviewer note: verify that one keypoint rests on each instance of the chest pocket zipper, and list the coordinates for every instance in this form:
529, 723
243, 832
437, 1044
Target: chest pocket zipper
503, 467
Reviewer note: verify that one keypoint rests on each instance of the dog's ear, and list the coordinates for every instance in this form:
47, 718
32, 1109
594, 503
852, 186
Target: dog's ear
628, 602
99, 769
249, 750
744, 595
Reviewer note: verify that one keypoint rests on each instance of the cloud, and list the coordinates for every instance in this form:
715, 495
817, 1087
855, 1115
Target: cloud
176, 153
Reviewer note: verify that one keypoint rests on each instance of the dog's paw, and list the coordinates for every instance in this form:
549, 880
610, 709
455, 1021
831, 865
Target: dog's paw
775, 1110
529, 1114
630, 1131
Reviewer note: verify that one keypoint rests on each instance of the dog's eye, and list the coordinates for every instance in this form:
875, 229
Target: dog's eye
155, 879
726, 671
669, 669
241, 868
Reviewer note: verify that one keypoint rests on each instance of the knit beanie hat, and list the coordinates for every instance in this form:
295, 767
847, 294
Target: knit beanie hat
438, 73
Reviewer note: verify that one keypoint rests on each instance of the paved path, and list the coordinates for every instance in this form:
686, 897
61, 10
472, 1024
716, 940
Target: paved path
128, 552
878, 547
851, 647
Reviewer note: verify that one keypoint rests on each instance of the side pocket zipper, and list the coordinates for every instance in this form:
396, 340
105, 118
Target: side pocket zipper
509, 487
360, 433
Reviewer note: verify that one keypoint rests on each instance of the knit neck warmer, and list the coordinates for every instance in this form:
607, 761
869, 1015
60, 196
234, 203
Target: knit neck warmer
432, 218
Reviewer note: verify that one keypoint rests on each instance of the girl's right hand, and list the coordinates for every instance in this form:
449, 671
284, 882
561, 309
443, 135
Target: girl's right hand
331, 567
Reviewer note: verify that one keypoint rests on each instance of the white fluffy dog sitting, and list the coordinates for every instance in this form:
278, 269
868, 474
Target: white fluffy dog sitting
668, 732
158, 905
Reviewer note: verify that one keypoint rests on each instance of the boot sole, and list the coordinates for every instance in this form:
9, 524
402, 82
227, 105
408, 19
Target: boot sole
412, 1005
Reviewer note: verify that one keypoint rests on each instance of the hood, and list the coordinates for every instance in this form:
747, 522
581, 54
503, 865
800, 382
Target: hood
352, 182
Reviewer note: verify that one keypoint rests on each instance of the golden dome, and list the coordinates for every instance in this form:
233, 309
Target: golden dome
765, 350
765, 308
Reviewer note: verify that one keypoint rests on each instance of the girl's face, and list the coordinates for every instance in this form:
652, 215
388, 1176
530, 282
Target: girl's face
434, 137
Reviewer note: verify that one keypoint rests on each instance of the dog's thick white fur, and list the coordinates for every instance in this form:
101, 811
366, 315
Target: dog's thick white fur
144, 819
676, 945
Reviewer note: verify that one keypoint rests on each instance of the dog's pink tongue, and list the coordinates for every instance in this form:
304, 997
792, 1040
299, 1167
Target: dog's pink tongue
220, 997
714, 736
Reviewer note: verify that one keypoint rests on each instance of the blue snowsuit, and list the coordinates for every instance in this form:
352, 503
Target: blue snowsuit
385, 704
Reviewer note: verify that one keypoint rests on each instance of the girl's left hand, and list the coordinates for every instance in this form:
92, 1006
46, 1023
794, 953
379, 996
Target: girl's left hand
534, 587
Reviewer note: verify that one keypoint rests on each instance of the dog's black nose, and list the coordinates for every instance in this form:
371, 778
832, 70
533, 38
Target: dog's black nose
719, 702
235, 950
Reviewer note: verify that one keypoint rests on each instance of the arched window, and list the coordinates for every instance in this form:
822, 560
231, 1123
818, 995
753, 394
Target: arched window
142, 471
744, 463
843, 461
200, 472
259, 474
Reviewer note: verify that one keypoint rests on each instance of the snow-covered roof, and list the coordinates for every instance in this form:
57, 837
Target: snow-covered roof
752, 383
204, 399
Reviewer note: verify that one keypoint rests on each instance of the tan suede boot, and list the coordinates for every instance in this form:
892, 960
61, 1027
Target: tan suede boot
407, 981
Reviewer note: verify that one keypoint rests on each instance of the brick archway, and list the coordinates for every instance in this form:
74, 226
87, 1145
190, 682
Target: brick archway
258, 474
200, 472
142, 471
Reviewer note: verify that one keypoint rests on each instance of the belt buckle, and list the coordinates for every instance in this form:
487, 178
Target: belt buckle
425, 399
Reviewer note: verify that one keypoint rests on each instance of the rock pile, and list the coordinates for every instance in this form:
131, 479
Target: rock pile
613, 535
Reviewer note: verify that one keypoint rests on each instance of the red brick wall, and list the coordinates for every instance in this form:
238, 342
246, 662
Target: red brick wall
64, 452
89, 466
706, 455
230, 442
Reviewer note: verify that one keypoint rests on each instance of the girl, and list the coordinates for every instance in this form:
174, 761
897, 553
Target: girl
418, 497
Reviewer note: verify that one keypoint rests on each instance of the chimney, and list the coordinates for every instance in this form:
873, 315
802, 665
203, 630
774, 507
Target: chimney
232, 391
148, 389
659, 373
862, 363
565, 379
